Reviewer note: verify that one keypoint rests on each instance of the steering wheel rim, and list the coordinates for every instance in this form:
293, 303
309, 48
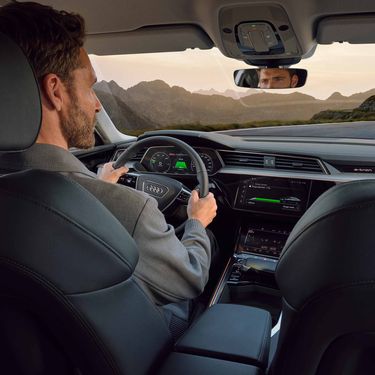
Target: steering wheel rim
201, 171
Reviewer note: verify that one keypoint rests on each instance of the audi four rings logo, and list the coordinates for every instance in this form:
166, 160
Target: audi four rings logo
155, 189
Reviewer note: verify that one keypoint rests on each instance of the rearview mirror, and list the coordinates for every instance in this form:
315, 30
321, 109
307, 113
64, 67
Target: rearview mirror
270, 78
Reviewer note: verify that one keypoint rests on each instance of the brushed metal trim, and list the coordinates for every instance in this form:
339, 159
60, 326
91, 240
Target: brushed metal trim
221, 284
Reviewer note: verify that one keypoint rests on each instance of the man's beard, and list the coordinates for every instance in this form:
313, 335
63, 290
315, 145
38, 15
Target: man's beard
77, 127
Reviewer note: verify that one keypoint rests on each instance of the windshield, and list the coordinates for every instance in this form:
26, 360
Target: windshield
194, 89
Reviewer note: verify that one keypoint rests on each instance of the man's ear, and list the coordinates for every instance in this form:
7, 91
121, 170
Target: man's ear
54, 91
294, 81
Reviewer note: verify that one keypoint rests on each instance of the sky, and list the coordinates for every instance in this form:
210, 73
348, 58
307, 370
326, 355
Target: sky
345, 68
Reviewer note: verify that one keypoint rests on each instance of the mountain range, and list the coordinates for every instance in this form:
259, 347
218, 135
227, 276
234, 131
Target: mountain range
228, 93
364, 112
155, 104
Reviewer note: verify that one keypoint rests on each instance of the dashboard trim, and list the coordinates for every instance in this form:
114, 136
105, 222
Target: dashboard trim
343, 177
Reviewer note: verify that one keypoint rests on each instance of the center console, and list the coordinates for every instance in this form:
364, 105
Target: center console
258, 248
268, 208
249, 277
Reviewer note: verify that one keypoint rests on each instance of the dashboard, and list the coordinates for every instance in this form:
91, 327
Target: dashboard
272, 185
263, 185
273, 177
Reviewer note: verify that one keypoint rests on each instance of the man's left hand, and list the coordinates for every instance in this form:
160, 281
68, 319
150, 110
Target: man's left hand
109, 174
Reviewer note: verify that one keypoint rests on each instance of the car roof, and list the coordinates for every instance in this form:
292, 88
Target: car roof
140, 26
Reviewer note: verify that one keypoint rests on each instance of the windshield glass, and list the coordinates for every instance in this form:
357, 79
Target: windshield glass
195, 90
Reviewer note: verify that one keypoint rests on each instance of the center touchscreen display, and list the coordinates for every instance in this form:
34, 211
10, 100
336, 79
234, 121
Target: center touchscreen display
273, 195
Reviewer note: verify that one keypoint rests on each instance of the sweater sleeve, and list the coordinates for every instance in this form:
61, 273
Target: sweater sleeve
172, 270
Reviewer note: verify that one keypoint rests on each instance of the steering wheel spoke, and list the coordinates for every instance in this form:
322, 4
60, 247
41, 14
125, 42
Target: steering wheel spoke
184, 195
130, 179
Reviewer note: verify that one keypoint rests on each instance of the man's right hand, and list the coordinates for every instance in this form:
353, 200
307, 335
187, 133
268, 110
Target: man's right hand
202, 209
109, 174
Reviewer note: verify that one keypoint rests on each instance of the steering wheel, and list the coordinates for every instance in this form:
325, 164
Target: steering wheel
164, 189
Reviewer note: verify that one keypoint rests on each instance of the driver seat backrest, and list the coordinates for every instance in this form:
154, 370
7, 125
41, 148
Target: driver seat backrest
326, 275
65, 267
68, 302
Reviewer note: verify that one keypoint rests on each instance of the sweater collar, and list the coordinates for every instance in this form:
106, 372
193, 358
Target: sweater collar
43, 156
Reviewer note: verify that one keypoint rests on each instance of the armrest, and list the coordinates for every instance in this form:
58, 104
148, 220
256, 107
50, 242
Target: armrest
230, 332
186, 364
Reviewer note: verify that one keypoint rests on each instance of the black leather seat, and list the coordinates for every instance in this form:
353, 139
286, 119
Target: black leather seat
68, 303
327, 278
65, 270
67, 297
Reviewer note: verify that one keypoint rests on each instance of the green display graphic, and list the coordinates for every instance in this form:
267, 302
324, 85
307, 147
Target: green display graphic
268, 200
180, 164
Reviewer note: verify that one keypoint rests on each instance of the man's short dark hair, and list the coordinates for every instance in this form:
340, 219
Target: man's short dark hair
50, 39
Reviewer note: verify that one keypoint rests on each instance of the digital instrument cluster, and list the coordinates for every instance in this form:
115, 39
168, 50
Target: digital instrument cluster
171, 160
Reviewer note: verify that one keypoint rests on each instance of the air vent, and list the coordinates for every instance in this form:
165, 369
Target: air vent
241, 159
244, 159
137, 157
298, 164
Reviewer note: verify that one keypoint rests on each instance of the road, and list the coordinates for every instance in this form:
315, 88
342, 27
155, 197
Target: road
363, 129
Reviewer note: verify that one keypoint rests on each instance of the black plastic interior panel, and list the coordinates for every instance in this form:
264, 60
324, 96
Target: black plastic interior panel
255, 32
149, 39
355, 29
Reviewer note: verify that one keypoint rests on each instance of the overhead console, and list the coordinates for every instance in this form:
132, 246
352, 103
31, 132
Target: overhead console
256, 33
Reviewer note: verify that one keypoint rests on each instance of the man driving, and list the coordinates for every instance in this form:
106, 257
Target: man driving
169, 270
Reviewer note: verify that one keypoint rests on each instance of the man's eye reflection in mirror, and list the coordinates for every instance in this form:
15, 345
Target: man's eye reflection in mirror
277, 78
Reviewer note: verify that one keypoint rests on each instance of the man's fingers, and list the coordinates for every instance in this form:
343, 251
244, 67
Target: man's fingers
194, 196
109, 174
121, 171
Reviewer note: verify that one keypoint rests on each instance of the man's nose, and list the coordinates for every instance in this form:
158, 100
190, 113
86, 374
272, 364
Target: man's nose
98, 105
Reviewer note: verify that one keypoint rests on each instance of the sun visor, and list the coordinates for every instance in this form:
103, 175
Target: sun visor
355, 29
20, 105
149, 39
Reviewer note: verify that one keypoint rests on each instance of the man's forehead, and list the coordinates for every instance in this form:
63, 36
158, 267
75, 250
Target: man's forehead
273, 72
86, 65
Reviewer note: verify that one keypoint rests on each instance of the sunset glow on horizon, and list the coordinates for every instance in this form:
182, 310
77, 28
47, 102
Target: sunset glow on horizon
343, 68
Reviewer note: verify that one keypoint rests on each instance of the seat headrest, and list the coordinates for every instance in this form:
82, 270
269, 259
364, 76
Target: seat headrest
20, 105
